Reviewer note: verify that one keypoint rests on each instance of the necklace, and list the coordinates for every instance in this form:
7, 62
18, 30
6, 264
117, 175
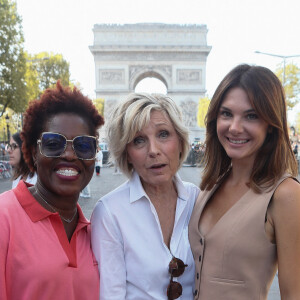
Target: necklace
53, 209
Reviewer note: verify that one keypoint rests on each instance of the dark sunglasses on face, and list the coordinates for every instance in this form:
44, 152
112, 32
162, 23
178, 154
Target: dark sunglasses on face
11, 147
176, 268
54, 145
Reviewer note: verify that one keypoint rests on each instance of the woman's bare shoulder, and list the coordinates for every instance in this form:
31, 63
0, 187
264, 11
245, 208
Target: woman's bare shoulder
288, 190
286, 201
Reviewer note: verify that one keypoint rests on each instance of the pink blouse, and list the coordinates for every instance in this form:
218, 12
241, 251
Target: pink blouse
37, 261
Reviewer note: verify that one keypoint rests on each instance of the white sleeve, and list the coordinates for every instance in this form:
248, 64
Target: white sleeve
109, 251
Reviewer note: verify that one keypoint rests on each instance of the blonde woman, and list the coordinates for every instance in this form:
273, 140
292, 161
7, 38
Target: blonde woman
140, 230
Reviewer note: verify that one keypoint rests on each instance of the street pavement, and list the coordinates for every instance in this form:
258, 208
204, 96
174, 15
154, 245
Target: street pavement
107, 181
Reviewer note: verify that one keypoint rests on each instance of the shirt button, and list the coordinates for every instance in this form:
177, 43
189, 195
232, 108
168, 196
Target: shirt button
195, 293
200, 258
201, 241
197, 275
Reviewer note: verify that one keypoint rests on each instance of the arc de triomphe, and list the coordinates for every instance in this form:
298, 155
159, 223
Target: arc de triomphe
174, 54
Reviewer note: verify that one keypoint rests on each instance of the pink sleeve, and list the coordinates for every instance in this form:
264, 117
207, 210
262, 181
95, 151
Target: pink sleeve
4, 240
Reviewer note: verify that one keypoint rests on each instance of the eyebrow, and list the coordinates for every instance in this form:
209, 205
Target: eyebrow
247, 111
161, 123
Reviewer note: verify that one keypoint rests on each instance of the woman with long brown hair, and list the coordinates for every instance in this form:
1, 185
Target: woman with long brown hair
17, 162
246, 221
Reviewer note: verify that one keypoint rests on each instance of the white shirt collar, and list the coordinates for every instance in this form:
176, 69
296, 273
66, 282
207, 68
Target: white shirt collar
137, 191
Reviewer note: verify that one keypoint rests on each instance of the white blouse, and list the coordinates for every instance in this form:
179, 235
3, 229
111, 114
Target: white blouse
128, 243
31, 180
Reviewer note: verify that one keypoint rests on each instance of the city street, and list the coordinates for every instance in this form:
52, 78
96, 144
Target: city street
107, 181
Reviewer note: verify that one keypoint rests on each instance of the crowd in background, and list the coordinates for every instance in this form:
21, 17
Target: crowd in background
196, 154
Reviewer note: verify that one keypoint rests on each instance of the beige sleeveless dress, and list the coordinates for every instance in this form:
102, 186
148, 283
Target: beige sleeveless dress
235, 260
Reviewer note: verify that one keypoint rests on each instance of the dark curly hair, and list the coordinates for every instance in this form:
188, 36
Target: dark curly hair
52, 102
21, 169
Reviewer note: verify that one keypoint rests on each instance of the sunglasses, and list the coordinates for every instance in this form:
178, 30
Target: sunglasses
176, 268
54, 145
11, 147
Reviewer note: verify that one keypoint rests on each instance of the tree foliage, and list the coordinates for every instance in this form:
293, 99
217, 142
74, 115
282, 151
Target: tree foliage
12, 58
9, 121
291, 82
99, 103
297, 123
202, 111
43, 71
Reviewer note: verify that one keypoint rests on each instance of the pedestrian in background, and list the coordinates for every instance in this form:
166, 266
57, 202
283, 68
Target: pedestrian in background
295, 149
140, 230
45, 245
99, 160
246, 220
17, 162
116, 169
86, 192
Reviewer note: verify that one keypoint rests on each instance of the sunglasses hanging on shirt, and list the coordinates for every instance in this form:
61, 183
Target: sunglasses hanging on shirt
176, 269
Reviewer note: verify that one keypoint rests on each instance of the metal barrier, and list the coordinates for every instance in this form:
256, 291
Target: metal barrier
4, 157
5, 167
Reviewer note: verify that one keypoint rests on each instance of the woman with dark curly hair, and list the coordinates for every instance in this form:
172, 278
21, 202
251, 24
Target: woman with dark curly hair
16, 160
45, 250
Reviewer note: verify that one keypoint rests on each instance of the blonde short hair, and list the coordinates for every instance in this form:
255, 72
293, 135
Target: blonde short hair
131, 116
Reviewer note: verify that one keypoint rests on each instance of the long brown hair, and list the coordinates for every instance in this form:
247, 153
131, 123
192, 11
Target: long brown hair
275, 157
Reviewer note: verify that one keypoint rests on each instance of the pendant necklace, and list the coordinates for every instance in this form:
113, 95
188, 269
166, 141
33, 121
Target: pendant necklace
53, 209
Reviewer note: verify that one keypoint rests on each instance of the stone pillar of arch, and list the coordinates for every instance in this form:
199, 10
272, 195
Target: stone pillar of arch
175, 54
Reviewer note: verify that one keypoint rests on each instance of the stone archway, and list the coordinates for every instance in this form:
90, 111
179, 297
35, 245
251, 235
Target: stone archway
174, 54
151, 85
138, 73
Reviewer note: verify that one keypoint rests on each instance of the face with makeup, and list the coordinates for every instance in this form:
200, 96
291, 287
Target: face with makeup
239, 128
65, 175
155, 150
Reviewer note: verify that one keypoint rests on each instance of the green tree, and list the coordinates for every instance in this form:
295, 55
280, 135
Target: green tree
43, 71
99, 103
31, 78
297, 123
12, 59
202, 111
291, 82
12, 120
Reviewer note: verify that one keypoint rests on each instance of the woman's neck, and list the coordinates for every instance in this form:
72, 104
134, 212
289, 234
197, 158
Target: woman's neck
240, 173
163, 191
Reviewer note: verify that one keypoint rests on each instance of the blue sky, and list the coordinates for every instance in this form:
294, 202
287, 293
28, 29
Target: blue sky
236, 28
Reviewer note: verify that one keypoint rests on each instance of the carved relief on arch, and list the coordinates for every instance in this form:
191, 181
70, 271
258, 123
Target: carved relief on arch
112, 76
139, 72
189, 110
189, 76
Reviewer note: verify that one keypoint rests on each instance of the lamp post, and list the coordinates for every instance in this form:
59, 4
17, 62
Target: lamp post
7, 127
4, 135
283, 57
